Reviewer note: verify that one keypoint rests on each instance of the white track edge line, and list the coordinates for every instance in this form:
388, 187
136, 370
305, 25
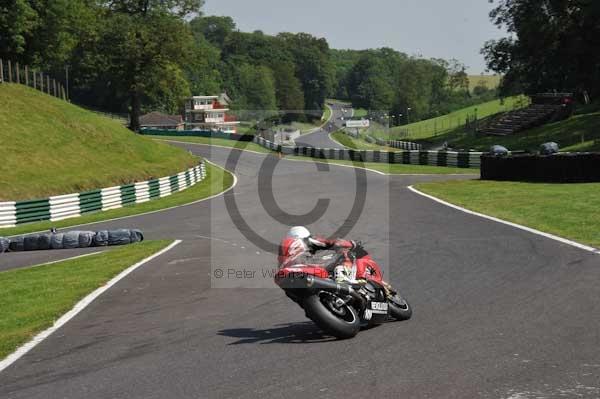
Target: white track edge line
515, 225
337, 164
62, 260
79, 306
235, 180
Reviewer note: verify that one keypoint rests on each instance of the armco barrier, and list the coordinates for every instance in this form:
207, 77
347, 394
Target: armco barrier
434, 158
403, 145
61, 207
411, 154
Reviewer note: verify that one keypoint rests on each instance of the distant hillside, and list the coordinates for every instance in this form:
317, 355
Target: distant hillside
51, 147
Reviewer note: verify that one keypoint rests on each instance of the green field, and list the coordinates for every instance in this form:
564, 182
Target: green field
357, 143
217, 181
33, 298
431, 128
51, 147
578, 133
489, 81
565, 210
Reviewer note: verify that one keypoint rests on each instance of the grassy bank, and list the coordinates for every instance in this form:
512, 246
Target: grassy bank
51, 147
216, 182
33, 298
430, 128
566, 210
249, 146
357, 143
578, 133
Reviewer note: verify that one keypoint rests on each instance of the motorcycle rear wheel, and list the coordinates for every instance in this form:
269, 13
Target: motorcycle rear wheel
341, 322
399, 308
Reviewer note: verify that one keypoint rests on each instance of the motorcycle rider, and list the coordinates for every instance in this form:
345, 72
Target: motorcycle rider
299, 247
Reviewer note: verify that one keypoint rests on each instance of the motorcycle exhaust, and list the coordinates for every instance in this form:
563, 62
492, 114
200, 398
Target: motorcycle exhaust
328, 285
316, 283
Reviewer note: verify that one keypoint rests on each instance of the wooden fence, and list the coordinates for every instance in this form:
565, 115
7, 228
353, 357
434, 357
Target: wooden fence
12, 72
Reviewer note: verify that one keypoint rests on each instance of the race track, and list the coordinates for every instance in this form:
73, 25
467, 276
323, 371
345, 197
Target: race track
320, 137
498, 312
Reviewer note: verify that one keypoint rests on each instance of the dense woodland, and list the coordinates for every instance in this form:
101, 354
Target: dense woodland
140, 55
552, 45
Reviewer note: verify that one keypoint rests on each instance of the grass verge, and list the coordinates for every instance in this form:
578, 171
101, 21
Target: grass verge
565, 210
358, 144
51, 147
326, 114
215, 141
217, 181
33, 298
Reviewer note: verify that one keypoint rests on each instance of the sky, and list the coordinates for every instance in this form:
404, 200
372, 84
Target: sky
428, 28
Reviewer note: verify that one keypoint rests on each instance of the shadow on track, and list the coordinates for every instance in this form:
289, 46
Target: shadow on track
289, 333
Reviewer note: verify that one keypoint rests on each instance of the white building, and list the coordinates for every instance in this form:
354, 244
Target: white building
210, 113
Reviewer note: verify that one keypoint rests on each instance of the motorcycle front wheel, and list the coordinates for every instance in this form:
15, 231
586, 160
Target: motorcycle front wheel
340, 321
399, 308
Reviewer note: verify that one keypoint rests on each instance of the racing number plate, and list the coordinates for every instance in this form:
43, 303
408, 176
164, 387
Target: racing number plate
379, 307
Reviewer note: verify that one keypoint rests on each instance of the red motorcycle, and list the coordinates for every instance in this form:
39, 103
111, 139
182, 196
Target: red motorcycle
341, 309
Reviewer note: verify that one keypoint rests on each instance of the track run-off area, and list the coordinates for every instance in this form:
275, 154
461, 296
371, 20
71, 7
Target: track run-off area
498, 312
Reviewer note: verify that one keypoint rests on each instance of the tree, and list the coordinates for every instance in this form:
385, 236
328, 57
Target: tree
167, 91
203, 70
553, 45
313, 67
213, 28
18, 20
143, 41
256, 88
288, 89
44, 33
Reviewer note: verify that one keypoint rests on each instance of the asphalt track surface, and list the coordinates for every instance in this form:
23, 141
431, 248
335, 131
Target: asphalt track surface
320, 137
498, 312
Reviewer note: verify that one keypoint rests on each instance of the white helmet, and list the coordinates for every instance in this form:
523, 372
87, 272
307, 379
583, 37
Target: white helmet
299, 232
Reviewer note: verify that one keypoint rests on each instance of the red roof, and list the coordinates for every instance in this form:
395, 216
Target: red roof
160, 119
